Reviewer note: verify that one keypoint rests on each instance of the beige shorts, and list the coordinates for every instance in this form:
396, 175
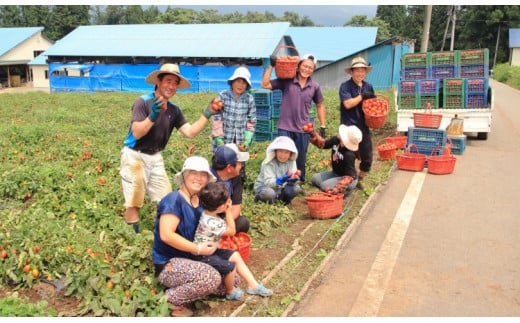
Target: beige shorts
140, 174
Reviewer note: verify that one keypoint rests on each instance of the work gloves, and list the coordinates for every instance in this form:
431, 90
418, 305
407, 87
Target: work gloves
317, 140
282, 179
156, 110
219, 141
213, 108
367, 95
323, 131
248, 137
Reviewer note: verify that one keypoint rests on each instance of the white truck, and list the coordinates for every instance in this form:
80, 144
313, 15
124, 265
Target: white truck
476, 121
462, 78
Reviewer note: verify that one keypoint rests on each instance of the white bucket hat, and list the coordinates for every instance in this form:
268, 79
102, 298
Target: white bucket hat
168, 68
281, 142
358, 62
350, 136
196, 163
241, 72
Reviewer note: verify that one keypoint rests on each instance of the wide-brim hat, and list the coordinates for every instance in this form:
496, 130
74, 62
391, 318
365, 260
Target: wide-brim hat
358, 62
168, 68
241, 72
350, 136
281, 142
196, 163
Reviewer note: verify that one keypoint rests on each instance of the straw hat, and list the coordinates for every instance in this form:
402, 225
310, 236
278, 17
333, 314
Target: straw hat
350, 136
168, 68
358, 62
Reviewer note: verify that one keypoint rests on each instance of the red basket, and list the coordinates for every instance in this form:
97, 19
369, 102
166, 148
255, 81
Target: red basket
285, 67
428, 119
240, 242
441, 164
375, 111
398, 141
324, 205
386, 150
408, 160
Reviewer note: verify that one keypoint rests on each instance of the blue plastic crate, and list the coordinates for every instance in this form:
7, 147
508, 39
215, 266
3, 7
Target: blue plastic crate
427, 139
444, 71
263, 136
276, 97
262, 97
475, 100
263, 125
275, 111
458, 144
477, 85
263, 112
408, 87
428, 86
415, 73
478, 70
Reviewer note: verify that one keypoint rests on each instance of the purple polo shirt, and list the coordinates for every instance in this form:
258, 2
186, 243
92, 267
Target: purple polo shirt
296, 102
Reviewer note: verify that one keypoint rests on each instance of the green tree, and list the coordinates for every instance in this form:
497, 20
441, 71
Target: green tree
35, 16
65, 19
294, 19
394, 16
383, 30
10, 16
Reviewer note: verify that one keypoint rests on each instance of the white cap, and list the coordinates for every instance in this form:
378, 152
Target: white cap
310, 57
241, 72
196, 163
350, 136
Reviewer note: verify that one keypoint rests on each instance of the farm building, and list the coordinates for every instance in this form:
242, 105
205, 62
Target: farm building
18, 47
514, 47
118, 57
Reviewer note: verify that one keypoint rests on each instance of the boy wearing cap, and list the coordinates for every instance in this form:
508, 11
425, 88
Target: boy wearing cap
297, 97
153, 120
343, 176
226, 164
351, 96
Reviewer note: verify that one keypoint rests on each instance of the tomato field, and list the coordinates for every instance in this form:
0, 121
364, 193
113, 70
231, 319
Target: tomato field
61, 202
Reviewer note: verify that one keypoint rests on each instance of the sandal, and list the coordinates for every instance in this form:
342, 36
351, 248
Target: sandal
181, 311
236, 295
261, 290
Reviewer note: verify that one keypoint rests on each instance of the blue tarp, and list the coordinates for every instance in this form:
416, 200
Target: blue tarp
131, 77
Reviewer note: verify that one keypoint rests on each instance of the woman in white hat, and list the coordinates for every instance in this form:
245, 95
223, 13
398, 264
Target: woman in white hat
278, 174
343, 160
153, 120
298, 94
351, 94
178, 215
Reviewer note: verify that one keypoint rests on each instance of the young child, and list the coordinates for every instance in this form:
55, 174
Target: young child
216, 221
343, 177
278, 173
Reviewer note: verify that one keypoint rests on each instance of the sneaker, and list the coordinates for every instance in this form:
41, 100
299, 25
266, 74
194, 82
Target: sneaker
359, 185
236, 295
260, 291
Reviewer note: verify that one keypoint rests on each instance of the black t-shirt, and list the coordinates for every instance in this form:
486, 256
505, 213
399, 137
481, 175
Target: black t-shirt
343, 160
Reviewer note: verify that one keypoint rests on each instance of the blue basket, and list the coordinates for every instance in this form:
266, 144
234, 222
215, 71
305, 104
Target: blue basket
415, 73
262, 97
458, 144
476, 85
428, 86
427, 139
263, 136
475, 100
263, 112
444, 71
276, 97
479, 70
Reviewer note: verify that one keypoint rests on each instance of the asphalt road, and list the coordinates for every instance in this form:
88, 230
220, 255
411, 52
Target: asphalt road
435, 245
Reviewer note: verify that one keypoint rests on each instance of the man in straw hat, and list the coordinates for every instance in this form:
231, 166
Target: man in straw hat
298, 95
352, 93
153, 119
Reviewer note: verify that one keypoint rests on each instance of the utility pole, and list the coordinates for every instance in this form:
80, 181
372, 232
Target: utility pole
454, 19
496, 47
450, 11
426, 29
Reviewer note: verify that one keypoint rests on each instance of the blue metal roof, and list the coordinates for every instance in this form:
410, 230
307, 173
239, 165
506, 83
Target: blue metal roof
250, 40
12, 37
514, 38
332, 43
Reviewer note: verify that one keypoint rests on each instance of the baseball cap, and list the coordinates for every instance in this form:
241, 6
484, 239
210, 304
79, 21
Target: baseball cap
229, 154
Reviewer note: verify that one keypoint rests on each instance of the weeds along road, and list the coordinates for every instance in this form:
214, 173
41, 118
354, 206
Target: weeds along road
435, 245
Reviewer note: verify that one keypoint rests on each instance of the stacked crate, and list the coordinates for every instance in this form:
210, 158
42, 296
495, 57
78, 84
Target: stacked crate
267, 113
453, 93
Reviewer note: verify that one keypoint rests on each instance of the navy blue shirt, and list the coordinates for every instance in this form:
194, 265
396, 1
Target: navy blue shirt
354, 116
